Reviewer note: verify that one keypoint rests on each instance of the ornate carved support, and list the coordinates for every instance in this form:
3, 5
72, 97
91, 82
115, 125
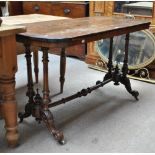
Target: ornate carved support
116, 74
125, 63
9, 107
30, 92
46, 98
124, 80
46, 115
48, 119
36, 106
110, 65
62, 68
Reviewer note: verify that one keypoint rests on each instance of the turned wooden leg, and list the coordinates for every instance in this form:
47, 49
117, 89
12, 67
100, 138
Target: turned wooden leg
124, 79
8, 68
46, 91
62, 68
110, 63
36, 68
30, 92
46, 114
9, 108
125, 63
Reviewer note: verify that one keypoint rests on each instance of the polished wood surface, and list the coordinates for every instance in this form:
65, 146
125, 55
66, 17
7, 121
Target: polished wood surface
5, 33
67, 29
81, 30
8, 68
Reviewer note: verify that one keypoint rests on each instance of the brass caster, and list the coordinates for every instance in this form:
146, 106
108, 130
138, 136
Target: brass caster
62, 142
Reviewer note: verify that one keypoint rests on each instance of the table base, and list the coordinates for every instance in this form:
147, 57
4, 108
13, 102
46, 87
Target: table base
38, 107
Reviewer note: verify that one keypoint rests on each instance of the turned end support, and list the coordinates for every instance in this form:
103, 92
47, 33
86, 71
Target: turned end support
12, 136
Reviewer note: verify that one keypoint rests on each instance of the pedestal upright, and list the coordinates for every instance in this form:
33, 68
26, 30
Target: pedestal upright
8, 68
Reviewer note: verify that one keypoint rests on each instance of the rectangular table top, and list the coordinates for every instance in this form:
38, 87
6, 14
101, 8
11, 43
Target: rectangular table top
75, 30
71, 29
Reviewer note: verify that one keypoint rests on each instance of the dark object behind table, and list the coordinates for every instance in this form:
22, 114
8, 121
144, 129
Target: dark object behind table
2, 4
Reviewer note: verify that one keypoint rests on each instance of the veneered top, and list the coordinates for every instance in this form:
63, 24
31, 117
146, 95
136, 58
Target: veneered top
82, 28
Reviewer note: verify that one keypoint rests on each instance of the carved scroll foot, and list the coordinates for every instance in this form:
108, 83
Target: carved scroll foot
47, 117
27, 113
126, 82
107, 76
135, 94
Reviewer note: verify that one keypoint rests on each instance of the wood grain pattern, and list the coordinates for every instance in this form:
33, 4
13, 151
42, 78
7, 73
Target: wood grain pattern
109, 7
99, 7
76, 29
8, 66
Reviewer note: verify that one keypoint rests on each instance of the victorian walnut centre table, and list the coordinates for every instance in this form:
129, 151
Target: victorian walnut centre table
65, 33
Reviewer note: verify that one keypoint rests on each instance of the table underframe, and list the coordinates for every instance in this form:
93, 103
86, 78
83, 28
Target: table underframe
38, 107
